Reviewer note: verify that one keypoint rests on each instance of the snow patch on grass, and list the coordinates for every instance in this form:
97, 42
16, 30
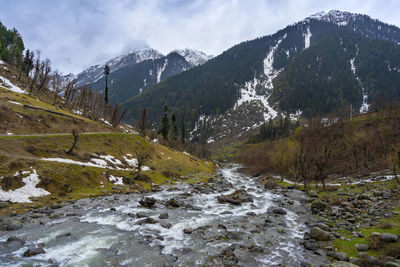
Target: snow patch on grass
15, 103
10, 86
22, 194
116, 180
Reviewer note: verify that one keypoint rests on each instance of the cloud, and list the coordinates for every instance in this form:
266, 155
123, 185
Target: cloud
75, 34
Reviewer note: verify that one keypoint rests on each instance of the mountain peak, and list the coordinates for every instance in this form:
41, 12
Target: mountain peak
334, 16
194, 57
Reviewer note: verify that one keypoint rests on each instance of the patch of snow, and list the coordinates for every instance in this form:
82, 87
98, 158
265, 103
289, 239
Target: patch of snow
10, 86
9, 133
364, 106
131, 161
15, 103
210, 140
145, 168
334, 16
160, 70
296, 116
116, 180
307, 38
2, 62
22, 194
100, 162
184, 152
111, 159
106, 122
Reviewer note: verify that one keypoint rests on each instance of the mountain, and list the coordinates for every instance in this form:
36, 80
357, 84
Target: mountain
315, 67
193, 57
131, 73
94, 73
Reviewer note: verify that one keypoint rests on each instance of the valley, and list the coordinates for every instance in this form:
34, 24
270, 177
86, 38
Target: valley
283, 150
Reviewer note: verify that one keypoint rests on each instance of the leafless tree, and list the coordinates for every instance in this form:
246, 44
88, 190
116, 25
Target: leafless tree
75, 134
142, 157
142, 124
117, 116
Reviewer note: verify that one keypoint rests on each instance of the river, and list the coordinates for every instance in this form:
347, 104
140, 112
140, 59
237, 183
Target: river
115, 230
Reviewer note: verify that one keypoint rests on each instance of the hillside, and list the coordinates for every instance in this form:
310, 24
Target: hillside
255, 74
36, 168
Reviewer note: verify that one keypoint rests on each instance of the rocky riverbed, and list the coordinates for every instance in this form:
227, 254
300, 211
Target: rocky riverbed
233, 221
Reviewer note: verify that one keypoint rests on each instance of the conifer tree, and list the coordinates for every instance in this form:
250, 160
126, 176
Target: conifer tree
183, 130
174, 128
106, 73
142, 124
165, 124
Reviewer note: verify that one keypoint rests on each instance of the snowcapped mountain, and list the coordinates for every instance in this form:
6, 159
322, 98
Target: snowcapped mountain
322, 64
94, 73
194, 57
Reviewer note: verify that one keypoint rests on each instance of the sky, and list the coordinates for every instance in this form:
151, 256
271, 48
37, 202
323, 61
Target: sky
76, 34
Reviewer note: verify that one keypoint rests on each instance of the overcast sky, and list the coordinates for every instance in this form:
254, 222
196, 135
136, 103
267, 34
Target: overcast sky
76, 34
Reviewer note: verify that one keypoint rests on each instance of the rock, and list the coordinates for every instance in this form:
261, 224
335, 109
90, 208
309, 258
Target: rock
113, 209
148, 220
311, 244
55, 216
3, 204
323, 226
141, 215
319, 234
318, 206
166, 225
172, 203
353, 260
34, 251
362, 247
312, 193
391, 264
236, 198
163, 215
14, 226
307, 264
147, 202
188, 231
269, 185
341, 264
14, 238
63, 235
341, 256
388, 238
55, 206
277, 210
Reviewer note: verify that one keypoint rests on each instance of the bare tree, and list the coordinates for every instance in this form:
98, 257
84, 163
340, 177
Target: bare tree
55, 85
142, 124
117, 116
45, 70
75, 134
142, 157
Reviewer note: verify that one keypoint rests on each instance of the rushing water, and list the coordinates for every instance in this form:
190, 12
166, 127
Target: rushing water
88, 233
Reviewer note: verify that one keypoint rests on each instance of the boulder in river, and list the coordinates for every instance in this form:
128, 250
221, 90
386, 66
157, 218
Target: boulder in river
147, 202
277, 210
236, 198
163, 215
172, 203
34, 251
319, 234
387, 237
14, 226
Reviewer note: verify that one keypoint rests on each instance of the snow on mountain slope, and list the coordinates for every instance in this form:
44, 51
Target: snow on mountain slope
194, 57
94, 73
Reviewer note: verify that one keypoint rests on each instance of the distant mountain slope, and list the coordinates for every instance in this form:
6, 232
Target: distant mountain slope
94, 73
133, 79
139, 69
243, 77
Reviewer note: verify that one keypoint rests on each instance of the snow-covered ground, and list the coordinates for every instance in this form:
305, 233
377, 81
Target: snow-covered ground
4, 82
116, 180
22, 194
103, 161
15, 103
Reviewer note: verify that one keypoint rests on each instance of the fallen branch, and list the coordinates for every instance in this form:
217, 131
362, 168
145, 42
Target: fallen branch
53, 112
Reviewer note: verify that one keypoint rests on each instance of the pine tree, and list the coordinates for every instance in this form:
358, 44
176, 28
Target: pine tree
165, 124
174, 128
106, 73
183, 130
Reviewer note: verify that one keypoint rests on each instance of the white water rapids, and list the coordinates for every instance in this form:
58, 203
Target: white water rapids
88, 233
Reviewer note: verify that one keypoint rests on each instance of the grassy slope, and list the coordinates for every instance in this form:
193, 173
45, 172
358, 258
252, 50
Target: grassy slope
67, 181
